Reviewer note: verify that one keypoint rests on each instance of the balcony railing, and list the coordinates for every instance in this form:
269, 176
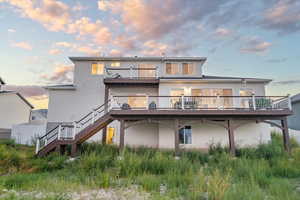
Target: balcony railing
202, 102
131, 72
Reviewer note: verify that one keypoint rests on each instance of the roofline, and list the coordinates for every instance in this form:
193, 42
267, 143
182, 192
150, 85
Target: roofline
207, 78
21, 97
60, 87
136, 58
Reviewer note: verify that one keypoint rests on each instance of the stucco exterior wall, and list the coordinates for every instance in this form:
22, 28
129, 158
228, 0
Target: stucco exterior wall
13, 110
204, 135
70, 105
294, 120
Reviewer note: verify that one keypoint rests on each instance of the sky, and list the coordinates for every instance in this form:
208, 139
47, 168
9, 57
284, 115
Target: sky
258, 38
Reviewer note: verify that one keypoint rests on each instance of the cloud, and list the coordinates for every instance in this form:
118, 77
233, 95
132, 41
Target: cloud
11, 30
22, 45
52, 14
255, 45
152, 19
54, 51
62, 74
277, 60
283, 17
27, 91
88, 50
63, 44
223, 32
98, 31
115, 52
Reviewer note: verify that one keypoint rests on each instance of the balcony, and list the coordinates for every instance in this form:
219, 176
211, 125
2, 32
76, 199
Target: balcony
247, 106
131, 75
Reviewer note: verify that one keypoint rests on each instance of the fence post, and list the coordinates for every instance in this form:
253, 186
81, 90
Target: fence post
59, 132
289, 102
253, 101
37, 146
74, 130
182, 102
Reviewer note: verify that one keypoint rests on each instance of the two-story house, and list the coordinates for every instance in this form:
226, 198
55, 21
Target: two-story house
160, 102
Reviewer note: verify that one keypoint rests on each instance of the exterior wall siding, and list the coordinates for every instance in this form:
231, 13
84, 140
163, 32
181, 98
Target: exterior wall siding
294, 120
16, 111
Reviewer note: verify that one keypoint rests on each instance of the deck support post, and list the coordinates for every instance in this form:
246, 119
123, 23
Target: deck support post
122, 134
176, 137
104, 131
285, 134
58, 149
231, 138
74, 149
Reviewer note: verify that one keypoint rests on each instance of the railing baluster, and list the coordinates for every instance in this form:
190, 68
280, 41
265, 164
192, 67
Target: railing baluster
74, 130
37, 147
253, 102
59, 132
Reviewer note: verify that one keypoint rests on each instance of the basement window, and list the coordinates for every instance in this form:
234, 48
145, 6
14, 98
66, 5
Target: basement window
97, 68
185, 135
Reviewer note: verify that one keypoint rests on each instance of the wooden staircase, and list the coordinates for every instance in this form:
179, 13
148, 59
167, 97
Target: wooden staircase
77, 133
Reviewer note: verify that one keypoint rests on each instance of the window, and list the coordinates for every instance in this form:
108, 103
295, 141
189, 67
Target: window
188, 68
115, 64
172, 68
245, 101
185, 135
146, 70
97, 68
137, 101
213, 102
176, 98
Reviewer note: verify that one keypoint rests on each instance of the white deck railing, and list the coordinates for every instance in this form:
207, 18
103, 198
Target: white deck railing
131, 72
203, 102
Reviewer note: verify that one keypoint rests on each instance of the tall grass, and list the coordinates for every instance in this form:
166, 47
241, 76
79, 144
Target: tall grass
265, 172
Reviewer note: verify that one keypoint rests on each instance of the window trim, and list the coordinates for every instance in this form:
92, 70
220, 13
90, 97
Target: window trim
184, 135
97, 71
178, 67
194, 68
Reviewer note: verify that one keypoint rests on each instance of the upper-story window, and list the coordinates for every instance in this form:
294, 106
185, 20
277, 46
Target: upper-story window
115, 64
172, 68
97, 68
188, 68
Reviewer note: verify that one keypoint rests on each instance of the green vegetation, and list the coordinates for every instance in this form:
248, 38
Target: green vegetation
266, 172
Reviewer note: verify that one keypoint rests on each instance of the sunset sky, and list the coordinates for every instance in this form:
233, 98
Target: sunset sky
258, 38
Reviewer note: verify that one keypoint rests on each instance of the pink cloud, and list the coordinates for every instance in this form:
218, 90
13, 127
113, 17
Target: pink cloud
54, 51
62, 74
31, 91
255, 45
22, 45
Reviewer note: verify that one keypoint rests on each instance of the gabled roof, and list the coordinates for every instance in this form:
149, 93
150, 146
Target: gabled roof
136, 58
2, 81
19, 95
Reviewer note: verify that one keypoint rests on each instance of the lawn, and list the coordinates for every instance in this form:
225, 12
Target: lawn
266, 172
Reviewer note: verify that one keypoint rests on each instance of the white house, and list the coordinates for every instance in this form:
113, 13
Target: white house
160, 102
14, 109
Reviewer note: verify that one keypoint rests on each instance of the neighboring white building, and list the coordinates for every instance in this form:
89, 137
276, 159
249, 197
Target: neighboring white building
14, 109
149, 94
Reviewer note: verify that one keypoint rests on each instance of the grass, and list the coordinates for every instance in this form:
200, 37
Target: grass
265, 172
